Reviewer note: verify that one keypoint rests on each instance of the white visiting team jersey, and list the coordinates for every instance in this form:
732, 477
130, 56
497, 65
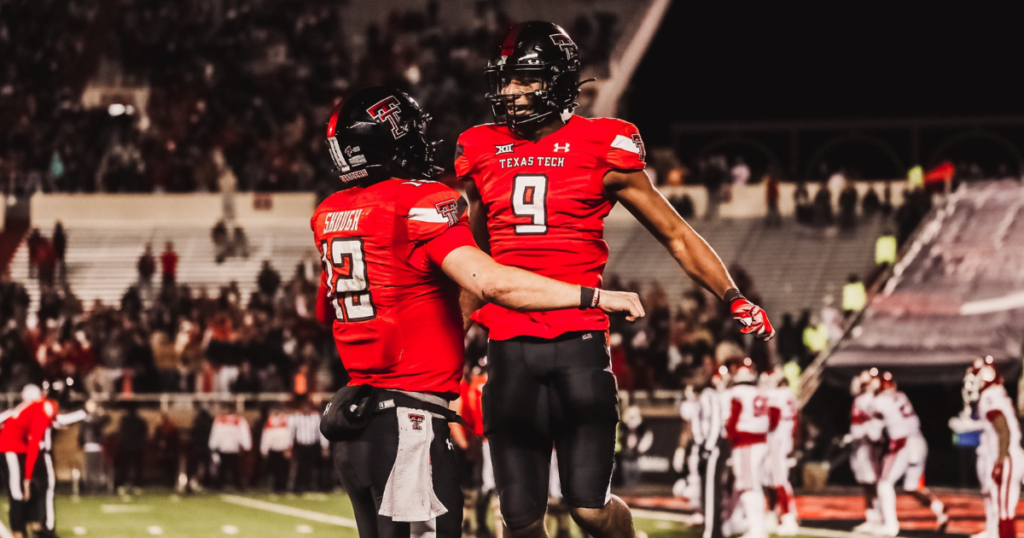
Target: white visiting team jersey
995, 400
783, 399
752, 407
689, 410
897, 415
862, 415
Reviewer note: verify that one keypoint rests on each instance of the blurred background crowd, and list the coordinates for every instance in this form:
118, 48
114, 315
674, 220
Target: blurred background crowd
238, 92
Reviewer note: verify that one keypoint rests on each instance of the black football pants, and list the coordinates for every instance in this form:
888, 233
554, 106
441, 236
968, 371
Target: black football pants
365, 464
41, 502
544, 392
15, 477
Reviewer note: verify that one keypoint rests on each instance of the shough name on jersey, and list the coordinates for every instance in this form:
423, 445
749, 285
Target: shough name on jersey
342, 221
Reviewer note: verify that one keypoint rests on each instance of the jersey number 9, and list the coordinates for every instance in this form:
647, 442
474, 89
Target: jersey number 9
530, 199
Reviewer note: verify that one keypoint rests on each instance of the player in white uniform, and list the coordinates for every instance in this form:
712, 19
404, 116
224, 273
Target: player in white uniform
866, 455
905, 458
781, 440
1000, 458
750, 420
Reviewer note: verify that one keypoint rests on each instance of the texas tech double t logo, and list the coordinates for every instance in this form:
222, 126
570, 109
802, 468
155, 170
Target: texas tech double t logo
387, 109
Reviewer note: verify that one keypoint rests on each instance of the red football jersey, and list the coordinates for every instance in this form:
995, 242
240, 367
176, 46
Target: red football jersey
397, 322
546, 206
26, 428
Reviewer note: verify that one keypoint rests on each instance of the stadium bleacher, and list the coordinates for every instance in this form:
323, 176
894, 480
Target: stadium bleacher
954, 295
102, 262
794, 266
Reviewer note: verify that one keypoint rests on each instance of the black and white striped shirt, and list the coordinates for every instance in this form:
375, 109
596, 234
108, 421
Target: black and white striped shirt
305, 429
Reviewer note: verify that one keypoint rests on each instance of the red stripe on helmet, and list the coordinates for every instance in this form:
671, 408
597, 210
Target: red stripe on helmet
509, 45
332, 124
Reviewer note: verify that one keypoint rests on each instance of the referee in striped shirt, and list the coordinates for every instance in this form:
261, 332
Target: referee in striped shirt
308, 446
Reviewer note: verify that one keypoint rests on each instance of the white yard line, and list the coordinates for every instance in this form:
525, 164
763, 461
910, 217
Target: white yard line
125, 508
655, 515
289, 511
830, 533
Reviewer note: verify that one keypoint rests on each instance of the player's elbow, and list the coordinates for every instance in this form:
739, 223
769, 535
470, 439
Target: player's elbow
494, 290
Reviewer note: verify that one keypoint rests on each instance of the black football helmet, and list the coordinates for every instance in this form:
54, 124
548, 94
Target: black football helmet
545, 51
380, 133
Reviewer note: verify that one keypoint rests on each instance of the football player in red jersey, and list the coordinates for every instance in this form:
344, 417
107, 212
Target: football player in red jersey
395, 249
20, 439
540, 182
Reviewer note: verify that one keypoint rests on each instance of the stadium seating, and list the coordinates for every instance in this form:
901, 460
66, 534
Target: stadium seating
102, 261
956, 293
793, 267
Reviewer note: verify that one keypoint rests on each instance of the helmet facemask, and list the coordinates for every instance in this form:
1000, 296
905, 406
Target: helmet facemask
415, 159
557, 93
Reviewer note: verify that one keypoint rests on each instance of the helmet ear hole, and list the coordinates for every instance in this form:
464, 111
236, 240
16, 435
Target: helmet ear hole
379, 133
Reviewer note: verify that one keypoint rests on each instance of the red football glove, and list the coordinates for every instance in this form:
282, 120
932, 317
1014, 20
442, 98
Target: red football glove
752, 318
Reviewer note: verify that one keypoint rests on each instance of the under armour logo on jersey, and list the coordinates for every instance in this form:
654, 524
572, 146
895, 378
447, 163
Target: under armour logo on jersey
387, 109
449, 443
501, 149
417, 421
564, 148
326, 409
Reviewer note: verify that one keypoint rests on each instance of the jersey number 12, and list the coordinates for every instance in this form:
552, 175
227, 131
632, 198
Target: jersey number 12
345, 263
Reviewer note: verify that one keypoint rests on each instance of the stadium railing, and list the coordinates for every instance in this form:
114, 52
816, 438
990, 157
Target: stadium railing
810, 379
167, 400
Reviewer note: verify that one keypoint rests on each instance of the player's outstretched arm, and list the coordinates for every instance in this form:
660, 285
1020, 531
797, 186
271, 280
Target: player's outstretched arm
517, 289
700, 262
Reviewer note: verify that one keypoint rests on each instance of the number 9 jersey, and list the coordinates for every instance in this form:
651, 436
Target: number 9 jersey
546, 206
397, 322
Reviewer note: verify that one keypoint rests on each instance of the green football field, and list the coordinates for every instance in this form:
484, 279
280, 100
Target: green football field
250, 515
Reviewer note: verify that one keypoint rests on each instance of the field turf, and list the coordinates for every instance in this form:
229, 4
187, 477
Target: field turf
263, 515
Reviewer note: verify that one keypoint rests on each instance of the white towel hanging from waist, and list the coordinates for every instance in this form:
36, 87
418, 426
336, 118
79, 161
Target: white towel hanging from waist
409, 493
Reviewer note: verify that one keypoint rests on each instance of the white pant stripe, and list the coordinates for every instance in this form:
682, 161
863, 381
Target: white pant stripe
709, 492
51, 482
14, 474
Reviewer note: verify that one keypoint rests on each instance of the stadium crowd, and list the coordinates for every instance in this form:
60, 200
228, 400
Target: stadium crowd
170, 338
166, 336
238, 92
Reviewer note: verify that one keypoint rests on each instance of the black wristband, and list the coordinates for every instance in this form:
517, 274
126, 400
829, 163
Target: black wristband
731, 295
586, 297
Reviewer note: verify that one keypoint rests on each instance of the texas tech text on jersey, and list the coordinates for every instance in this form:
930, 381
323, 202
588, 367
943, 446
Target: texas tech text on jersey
546, 204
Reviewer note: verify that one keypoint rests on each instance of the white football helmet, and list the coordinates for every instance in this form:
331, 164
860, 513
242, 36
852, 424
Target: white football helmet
980, 376
745, 373
31, 393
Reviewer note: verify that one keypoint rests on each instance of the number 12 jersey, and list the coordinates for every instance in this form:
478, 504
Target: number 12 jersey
397, 322
546, 206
